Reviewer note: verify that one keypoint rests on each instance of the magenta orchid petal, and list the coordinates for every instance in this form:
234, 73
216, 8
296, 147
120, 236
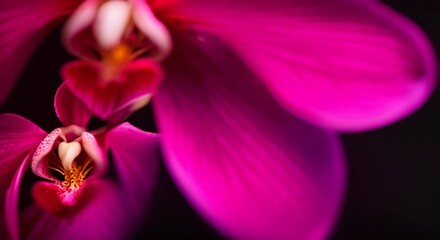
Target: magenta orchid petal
50, 197
136, 157
69, 109
247, 165
100, 215
11, 202
151, 27
92, 148
23, 25
75, 30
347, 65
18, 138
43, 153
105, 97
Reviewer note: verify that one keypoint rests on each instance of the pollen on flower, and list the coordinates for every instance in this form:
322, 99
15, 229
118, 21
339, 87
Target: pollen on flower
119, 54
73, 177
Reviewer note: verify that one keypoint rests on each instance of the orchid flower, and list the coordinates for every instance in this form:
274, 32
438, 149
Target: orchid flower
342, 64
232, 83
75, 196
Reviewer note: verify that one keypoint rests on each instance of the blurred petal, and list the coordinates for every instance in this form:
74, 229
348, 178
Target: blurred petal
70, 110
348, 65
136, 158
105, 97
152, 28
108, 29
75, 32
107, 209
246, 164
23, 25
11, 202
18, 137
100, 214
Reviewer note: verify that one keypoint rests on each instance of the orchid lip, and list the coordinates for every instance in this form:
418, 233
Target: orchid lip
68, 157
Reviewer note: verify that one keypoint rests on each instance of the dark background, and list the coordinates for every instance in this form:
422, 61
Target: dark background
394, 172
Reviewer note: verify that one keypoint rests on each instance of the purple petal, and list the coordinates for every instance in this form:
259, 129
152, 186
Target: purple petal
44, 151
53, 199
70, 110
348, 65
23, 25
11, 202
102, 216
18, 138
247, 165
75, 32
152, 28
105, 97
109, 209
136, 155
96, 152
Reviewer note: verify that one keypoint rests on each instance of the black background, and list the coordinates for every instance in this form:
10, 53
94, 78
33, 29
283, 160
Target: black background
394, 172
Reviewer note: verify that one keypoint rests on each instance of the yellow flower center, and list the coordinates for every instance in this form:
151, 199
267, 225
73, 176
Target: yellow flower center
72, 173
118, 55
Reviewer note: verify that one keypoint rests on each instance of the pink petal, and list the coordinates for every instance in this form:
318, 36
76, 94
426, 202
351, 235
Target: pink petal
136, 154
75, 32
104, 98
96, 152
23, 25
110, 210
11, 202
44, 151
102, 216
69, 109
349, 65
246, 164
152, 28
49, 197
18, 137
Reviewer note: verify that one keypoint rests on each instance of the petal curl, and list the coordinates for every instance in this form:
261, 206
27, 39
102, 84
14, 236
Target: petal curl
23, 25
136, 157
18, 138
247, 165
11, 202
69, 109
342, 64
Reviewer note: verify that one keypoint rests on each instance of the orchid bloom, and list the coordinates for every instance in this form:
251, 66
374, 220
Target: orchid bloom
342, 64
232, 82
75, 197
